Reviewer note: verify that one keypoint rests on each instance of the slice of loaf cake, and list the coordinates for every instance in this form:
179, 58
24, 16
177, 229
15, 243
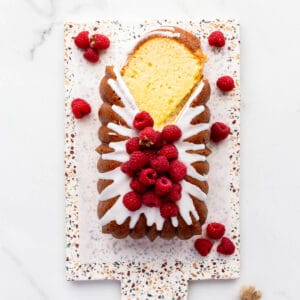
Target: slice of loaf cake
163, 77
162, 71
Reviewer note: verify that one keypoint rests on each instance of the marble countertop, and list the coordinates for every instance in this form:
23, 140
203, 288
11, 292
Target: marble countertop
31, 151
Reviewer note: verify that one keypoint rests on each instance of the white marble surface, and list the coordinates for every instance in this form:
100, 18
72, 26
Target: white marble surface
31, 147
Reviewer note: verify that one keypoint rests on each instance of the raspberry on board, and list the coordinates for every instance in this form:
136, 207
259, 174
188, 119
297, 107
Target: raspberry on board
226, 246
80, 108
99, 42
225, 83
215, 230
216, 39
91, 55
82, 40
219, 131
203, 246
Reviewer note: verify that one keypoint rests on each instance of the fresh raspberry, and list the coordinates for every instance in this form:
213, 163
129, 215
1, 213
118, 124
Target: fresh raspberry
177, 170
168, 210
137, 186
99, 41
160, 164
125, 168
142, 120
91, 55
169, 151
215, 230
132, 201
175, 193
225, 83
80, 108
216, 39
82, 40
219, 131
171, 133
138, 160
151, 199
132, 145
163, 186
147, 137
203, 246
226, 246
151, 154
148, 176
158, 141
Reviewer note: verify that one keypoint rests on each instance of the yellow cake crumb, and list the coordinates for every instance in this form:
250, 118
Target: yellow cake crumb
160, 75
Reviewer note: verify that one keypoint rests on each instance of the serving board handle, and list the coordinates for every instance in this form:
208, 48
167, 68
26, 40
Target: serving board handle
167, 282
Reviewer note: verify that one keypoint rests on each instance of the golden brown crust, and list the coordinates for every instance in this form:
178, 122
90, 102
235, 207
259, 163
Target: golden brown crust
203, 97
140, 228
106, 115
104, 148
200, 138
184, 231
121, 231
202, 167
152, 232
168, 231
104, 206
106, 135
185, 37
105, 165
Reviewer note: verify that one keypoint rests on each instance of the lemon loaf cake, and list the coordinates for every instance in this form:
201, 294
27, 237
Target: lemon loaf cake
154, 130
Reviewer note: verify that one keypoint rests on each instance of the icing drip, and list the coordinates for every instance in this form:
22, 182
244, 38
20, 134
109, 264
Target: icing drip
119, 86
120, 186
119, 153
122, 130
192, 189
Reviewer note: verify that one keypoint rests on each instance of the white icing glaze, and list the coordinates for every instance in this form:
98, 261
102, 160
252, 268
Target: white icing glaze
120, 186
162, 34
171, 28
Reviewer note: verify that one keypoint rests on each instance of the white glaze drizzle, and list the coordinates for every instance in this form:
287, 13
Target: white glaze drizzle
122, 130
119, 153
120, 186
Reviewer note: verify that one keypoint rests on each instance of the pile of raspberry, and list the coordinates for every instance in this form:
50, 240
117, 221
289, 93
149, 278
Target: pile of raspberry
91, 45
154, 167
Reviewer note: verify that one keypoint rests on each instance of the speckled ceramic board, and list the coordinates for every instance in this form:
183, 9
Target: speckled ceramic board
159, 269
